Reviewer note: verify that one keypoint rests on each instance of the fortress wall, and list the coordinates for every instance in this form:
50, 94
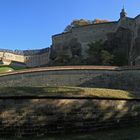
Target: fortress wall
32, 61
91, 33
86, 34
85, 78
135, 40
37, 60
59, 40
137, 25
126, 23
28, 117
44, 58
137, 20
59, 78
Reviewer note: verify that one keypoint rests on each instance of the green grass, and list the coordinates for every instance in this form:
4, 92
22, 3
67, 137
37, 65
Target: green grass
129, 133
68, 92
6, 68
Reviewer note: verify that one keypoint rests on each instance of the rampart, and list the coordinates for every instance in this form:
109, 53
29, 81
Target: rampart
105, 77
84, 35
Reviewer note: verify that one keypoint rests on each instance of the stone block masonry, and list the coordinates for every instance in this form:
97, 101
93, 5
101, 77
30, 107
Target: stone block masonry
114, 79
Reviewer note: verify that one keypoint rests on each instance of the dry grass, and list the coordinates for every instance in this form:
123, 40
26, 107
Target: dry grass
68, 91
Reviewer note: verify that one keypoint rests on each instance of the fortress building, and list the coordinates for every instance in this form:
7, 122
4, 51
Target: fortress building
26, 58
124, 34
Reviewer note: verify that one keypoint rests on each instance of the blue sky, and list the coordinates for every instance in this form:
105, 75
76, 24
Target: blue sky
29, 24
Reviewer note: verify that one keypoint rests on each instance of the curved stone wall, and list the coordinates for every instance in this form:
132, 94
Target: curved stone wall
116, 79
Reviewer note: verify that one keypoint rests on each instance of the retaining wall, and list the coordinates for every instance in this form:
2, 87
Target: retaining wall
116, 79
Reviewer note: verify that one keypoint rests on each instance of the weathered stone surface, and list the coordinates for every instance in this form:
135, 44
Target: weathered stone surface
116, 79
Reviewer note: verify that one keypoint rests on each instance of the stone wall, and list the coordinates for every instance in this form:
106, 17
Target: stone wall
26, 117
37, 60
116, 79
95, 32
84, 35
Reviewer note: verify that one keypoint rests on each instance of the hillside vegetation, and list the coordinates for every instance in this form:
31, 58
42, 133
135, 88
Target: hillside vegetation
82, 22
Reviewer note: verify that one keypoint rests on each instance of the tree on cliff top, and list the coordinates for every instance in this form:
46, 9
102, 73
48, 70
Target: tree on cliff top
97, 20
77, 23
82, 22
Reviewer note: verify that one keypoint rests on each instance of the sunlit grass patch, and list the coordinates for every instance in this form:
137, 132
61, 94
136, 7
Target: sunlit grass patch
6, 68
68, 91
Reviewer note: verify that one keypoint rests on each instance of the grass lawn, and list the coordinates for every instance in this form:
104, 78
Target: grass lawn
6, 68
68, 92
130, 133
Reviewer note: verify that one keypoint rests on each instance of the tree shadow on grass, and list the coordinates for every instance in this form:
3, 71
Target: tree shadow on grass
28, 117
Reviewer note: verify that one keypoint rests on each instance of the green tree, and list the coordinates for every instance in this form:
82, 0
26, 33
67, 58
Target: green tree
106, 57
75, 47
98, 54
120, 57
94, 53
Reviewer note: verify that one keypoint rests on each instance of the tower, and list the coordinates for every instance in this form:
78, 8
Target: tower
123, 13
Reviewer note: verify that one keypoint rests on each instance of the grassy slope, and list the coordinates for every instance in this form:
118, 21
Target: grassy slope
129, 133
67, 91
4, 68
